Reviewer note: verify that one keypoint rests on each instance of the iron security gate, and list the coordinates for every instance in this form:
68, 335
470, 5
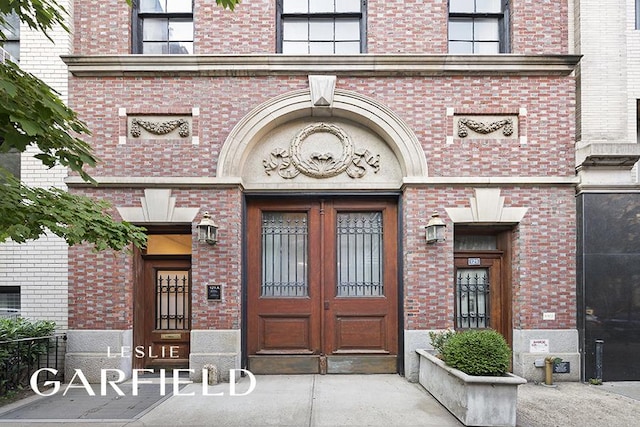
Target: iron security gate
172, 300
473, 306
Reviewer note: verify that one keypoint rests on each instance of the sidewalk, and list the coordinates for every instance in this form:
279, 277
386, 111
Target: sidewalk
613, 404
318, 400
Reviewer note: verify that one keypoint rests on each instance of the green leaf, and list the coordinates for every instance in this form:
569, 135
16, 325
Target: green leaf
27, 213
228, 4
36, 116
8, 87
30, 127
32, 115
41, 15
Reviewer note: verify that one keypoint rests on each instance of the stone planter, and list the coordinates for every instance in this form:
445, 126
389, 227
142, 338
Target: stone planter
474, 400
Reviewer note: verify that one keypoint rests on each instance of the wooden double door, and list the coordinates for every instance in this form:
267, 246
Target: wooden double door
322, 285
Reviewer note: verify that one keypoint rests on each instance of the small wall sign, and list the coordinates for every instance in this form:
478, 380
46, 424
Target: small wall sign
473, 261
538, 346
214, 292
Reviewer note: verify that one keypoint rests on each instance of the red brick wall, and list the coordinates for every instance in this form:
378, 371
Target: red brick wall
407, 27
543, 263
100, 289
421, 102
428, 269
101, 284
412, 26
101, 28
544, 243
539, 26
220, 264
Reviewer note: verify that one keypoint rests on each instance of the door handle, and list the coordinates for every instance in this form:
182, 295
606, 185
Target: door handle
326, 305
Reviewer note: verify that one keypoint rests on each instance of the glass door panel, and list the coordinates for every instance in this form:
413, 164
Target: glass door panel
472, 298
284, 254
172, 299
359, 254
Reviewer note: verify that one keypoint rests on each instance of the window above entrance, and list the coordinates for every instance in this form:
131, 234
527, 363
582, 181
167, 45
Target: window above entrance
473, 242
321, 27
169, 244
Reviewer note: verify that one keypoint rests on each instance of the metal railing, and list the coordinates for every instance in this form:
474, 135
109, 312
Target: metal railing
9, 313
20, 358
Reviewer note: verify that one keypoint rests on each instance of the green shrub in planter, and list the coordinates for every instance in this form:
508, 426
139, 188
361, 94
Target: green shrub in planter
439, 340
477, 352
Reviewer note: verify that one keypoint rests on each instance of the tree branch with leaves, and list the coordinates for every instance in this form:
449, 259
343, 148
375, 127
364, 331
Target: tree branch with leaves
32, 115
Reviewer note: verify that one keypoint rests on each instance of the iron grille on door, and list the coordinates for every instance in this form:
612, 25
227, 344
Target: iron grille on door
284, 254
472, 298
172, 300
359, 253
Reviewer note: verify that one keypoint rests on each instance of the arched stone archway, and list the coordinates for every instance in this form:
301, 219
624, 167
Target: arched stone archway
348, 109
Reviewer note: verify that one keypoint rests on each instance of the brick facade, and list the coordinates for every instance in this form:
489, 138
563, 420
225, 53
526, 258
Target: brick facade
543, 264
421, 102
415, 27
533, 169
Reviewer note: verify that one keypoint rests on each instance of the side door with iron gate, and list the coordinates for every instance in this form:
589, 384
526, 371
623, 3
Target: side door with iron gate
162, 322
483, 294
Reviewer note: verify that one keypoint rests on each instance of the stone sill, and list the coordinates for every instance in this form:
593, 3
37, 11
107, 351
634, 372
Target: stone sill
346, 65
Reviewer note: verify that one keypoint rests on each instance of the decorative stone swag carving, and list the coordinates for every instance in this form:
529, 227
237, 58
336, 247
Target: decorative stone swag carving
160, 128
292, 162
484, 128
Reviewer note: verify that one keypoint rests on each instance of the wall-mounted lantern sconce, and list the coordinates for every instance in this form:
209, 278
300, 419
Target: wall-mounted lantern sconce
207, 230
435, 229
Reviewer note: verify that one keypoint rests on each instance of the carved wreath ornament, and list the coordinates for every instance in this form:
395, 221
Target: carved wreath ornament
484, 128
160, 128
291, 163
